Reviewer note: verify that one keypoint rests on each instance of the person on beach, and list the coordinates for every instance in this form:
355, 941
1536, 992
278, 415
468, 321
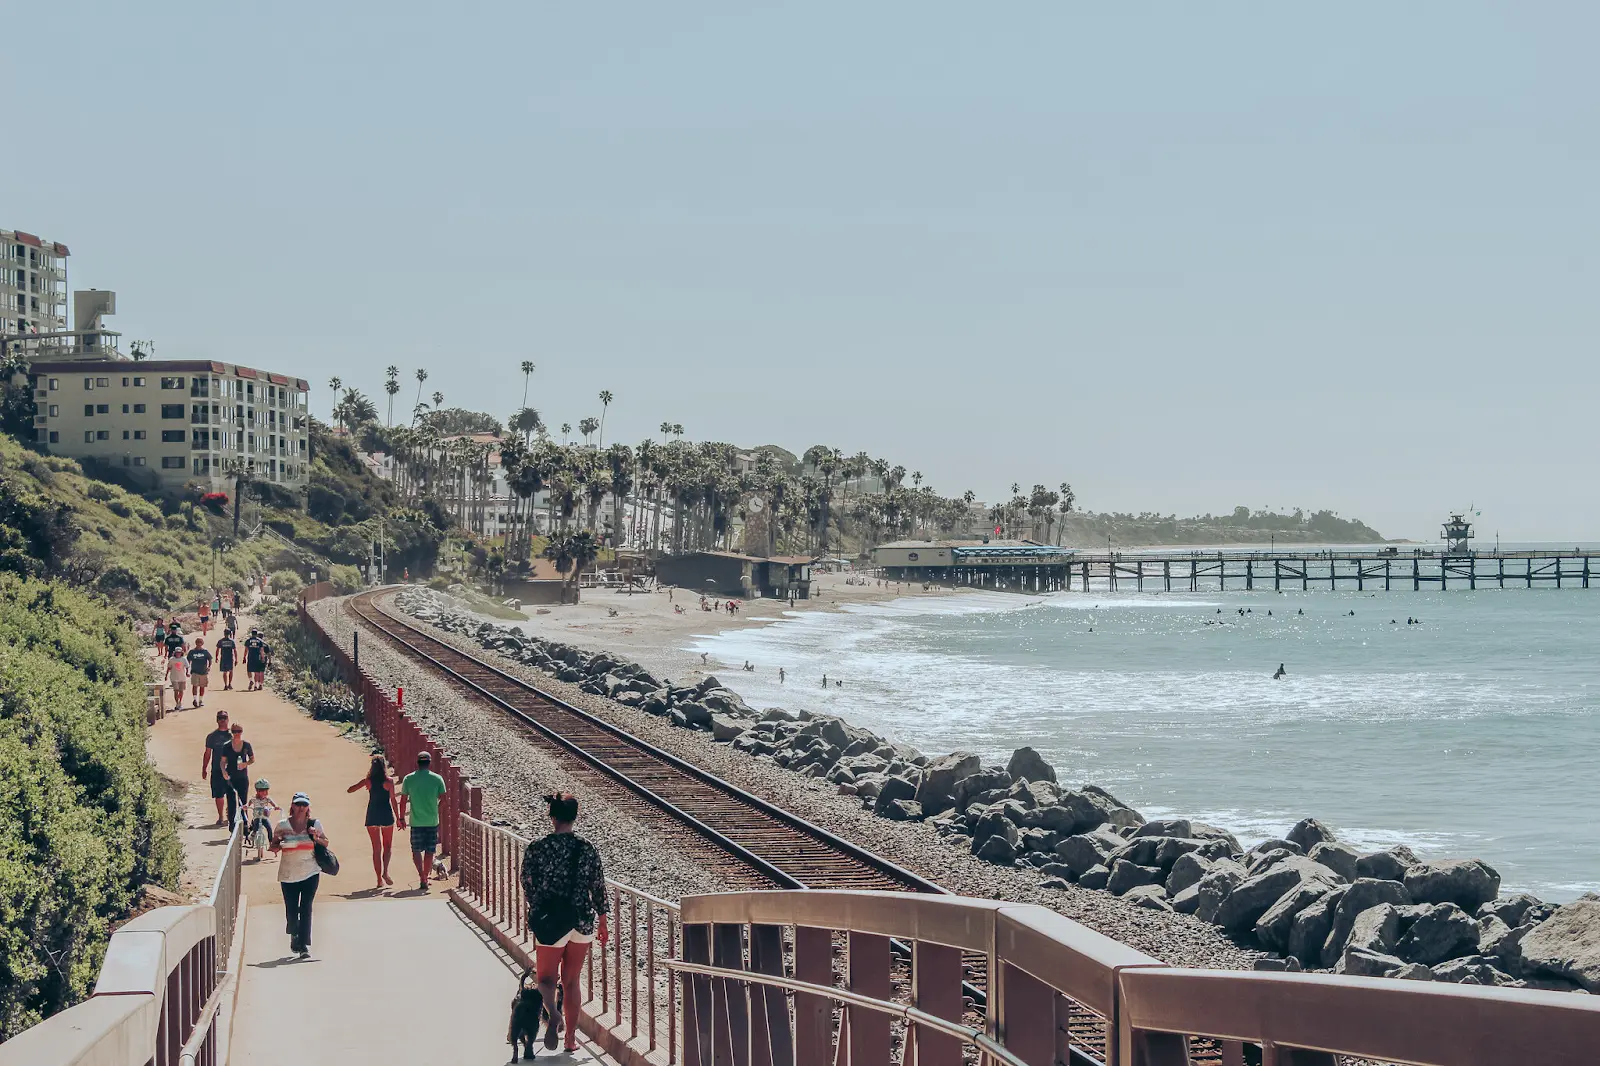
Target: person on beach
780, 675
419, 799
177, 673
161, 632
227, 647
199, 661
565, 886
257, 653
237, 757
174, 637
1282, 673
211, 763
294, 840
380, 817
204, 611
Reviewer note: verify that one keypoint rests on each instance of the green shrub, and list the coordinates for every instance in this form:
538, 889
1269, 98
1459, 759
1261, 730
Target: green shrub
345, 579
285, 583
99, 490
83, 823
176, 521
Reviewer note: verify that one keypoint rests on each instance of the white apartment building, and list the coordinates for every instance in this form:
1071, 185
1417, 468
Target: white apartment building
33, 284
174, 423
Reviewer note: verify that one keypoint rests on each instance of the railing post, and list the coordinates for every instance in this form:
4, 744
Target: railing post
868, 975
936, 989
771, 1042
697, 998
813, 1021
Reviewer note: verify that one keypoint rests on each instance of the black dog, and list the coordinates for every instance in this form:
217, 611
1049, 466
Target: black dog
526, 1007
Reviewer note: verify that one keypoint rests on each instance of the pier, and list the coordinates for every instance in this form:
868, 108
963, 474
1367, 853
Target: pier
1250, 570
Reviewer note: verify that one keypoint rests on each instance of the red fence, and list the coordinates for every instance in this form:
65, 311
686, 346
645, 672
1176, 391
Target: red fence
398, 735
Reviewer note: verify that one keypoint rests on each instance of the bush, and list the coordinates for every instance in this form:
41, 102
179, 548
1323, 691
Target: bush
345, 579
285, 583
83, 823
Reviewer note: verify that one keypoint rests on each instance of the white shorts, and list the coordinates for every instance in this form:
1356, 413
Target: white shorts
571, 937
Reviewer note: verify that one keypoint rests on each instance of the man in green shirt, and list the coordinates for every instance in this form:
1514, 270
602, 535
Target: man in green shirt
420, 793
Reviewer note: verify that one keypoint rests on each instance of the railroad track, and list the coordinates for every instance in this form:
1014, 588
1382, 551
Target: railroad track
776, 845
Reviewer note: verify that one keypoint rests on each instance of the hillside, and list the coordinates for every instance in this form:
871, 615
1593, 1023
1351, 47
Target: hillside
1087, 529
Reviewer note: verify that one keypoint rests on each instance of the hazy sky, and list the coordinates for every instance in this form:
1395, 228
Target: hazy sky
1185, 256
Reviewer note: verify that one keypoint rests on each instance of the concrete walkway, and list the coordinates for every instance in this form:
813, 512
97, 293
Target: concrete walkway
396, 975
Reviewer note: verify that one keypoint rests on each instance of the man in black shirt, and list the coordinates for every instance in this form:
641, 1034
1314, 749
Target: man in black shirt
257, 653
199, 670
227, 648
175, 641
211, 763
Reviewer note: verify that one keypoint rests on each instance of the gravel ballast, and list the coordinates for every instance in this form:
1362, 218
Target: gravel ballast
516, 769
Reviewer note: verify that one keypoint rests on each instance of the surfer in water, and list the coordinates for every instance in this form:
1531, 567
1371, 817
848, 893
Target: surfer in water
1281, 674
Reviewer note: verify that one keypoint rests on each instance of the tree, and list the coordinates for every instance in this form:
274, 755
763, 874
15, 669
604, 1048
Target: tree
527, 422
391, 385
587, 428
566, 431
527, 374
438, 399
605, 405
422, 375
572, 552
243, 474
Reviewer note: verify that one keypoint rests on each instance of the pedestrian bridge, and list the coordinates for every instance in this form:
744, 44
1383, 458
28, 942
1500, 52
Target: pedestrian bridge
774, 978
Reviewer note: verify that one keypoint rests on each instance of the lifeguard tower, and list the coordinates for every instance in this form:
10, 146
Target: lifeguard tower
1457, 532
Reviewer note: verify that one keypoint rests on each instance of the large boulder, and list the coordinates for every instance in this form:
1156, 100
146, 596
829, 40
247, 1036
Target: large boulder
1468, 883
1250, 900
1360, 962
1151, 897
1156, 851
1445, 932
1087, 849
725, 728
1390, 864
996, 849
1517, 909
901, 810
1273, 927
1364, 892
1028, 765
1473, 970
994, 823
1186, 871
937, 790
1339, 857
1202, 831
1311, 926
1567, 944
1308, 833
1211, 890
1094, 877
1375, 929
986, 779
1084, 810
891, 790
1126, 875
1164, 827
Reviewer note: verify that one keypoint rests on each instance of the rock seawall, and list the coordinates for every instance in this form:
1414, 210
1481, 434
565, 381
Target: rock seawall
1310, 900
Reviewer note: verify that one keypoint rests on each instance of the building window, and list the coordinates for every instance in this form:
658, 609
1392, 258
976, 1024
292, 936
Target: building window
200, 387
124, 434
139, 434
138, 408
102, 408
172, 383
55, 410
172, 462
174, 410
138, 383
103, 434
88, 383
88, 410
88, 436
102, 383
172, 436
55, 437
55, 383
124, 408
138, 460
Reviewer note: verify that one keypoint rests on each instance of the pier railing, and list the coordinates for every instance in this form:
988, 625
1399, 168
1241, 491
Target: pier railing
160, 986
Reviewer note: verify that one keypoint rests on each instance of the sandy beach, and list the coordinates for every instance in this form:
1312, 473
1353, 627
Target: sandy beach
646, 629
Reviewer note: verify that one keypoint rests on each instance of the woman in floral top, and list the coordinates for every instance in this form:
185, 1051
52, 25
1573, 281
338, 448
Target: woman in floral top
565, 887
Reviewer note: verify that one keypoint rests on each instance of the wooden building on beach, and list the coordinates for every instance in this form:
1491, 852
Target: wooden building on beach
725, 574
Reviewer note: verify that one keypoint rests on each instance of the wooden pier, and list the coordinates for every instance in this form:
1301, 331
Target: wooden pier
1226, 571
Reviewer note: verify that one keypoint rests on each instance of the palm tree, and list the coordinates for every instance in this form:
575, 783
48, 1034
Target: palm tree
243, 473
587, 427
422, 375
527, 372
666, 429
566, 431
572, 553
438, 400
526, 422
605, 402
391, 385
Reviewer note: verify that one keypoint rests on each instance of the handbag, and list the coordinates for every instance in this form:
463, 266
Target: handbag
327, 861
552, 919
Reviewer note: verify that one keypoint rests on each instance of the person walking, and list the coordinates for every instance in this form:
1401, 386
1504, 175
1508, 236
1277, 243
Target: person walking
174, 638
237, 757
199, 661
419, 799
257, 653
227, 649
295, 840
203, 610
564, 884
161, 634
177, 674
211, 762
380, 817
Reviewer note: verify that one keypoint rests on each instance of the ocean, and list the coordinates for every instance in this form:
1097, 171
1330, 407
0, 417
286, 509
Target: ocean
1475, 733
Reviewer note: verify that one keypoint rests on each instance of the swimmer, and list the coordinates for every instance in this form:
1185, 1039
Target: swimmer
1282, 673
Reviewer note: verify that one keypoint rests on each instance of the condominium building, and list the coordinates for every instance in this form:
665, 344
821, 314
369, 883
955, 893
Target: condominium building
170, 424
33, 284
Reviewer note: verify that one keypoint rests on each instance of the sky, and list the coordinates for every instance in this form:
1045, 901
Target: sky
1183, 256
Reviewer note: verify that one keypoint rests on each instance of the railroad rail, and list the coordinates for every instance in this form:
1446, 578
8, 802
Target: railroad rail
780, 847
